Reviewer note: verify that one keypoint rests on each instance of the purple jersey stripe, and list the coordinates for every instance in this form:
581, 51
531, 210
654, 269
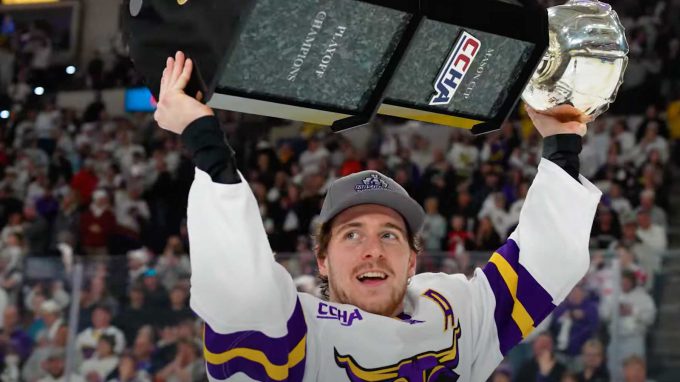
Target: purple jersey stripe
252, 369
297, 328
509, 333
536, 300
510, 251
278, 351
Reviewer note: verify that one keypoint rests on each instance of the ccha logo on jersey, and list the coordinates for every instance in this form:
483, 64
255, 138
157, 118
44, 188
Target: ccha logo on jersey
455, 68
431, 366
373, 182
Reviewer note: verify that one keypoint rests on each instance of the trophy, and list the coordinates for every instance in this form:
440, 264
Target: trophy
340, 62
585, 61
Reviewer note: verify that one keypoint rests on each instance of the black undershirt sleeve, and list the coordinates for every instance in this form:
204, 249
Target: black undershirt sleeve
563, 150
210, 150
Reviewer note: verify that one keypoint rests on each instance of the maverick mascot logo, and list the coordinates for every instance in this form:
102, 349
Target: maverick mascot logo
432, 366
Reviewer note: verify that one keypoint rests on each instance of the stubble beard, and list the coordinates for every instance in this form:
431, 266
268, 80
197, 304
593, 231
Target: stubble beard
385, 307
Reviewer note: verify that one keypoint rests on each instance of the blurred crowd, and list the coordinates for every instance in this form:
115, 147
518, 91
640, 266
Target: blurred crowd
112, 190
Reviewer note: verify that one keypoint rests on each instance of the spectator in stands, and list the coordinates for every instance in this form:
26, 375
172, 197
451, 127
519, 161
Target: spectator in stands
86, 341
51, 315
651, 234
97, 225
434, 226
134, 315
459, 238
628, 262
634, 369
35, 231
32, 369
132, 215
13, 338
11, 257
462, 154
137, 265
605, 230
648, 204
55, 366
84, 182
594, 367
575, 321
155, 295
636, 311
503, 373
486, 238
494, 208
173, 265
9, 205
186, 366
96, 293
67, 221
144, 351
651, 141
617, 202
543, 366
179, 310
127, 371
103, 361
314, 157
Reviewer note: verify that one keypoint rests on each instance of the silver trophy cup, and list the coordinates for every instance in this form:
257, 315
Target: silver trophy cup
585, 62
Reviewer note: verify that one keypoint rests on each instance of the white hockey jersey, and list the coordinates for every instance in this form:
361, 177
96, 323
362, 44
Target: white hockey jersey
452, 329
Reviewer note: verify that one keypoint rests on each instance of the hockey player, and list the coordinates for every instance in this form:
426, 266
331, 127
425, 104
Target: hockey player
381, 321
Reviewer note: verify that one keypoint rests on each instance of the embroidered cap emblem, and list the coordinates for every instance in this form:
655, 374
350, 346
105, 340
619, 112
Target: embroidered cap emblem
373, 182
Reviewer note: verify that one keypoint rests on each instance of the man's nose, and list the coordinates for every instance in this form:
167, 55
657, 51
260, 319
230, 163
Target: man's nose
373, 248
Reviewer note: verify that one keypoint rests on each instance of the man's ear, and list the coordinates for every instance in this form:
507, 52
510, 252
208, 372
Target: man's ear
322, 263
412, 263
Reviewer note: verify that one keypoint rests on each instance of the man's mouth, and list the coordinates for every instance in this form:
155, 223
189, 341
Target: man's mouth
372, 278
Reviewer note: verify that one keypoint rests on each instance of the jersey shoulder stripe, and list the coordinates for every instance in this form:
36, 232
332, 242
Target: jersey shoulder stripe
257, 355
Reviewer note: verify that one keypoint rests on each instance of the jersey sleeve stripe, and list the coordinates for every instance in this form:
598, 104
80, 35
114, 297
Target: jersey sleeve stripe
535, 299
521, 303
519, 313
509, 333
259, 356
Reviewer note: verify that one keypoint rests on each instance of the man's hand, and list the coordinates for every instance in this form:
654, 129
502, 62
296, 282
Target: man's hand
176, 110
563, 119
546, 362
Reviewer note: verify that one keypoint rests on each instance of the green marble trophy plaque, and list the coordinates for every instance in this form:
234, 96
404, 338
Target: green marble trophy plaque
339, 62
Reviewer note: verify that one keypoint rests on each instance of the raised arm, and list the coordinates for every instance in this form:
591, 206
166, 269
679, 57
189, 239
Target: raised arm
254, 320
545, 256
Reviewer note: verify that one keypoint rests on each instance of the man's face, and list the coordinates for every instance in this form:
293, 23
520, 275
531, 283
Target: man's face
543, 343
55, 367
101, 318
369, 259
644, 221
627, 284
11, 316
592, 356
577, 296
634, 373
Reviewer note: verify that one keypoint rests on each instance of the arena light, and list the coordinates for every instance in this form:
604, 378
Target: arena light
70, 69
39, 91
17, 2
4, 114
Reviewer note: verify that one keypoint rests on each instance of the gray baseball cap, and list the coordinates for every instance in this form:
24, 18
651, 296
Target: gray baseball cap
371, 187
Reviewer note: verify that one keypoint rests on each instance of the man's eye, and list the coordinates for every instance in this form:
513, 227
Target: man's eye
389, 235
351, 235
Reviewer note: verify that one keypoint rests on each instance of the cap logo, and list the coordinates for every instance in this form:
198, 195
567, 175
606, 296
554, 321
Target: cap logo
373, 182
